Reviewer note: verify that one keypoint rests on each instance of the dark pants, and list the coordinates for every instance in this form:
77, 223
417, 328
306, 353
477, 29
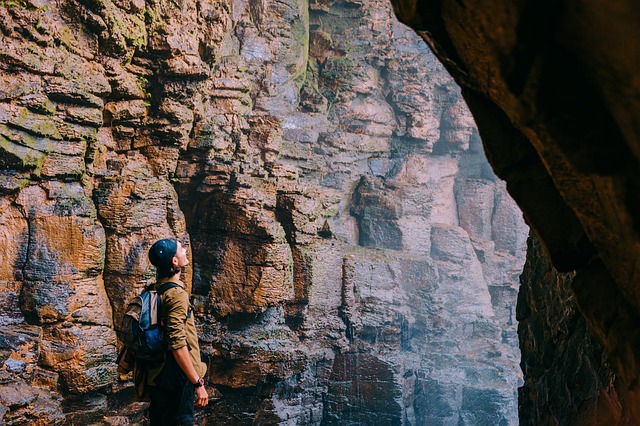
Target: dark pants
173, 397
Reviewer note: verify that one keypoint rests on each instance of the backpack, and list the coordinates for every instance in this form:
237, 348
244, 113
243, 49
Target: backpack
142, 331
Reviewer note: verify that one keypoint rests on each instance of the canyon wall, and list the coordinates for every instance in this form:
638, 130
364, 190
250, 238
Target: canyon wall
568, 379
354, 258
553, 88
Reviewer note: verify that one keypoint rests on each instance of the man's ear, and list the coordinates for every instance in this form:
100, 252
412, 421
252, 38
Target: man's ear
174, 261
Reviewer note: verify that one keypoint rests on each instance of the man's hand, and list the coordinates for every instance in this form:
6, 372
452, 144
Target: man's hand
202, 398
182, 358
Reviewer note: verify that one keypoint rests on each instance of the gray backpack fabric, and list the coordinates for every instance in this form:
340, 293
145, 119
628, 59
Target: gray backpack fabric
142, 331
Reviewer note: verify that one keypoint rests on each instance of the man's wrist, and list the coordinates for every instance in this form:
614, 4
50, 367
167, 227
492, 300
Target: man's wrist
199, 382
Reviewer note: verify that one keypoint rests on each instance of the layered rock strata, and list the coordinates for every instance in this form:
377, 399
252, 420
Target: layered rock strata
354, 259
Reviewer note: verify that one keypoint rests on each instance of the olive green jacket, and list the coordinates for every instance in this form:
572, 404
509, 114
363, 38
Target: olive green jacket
179, 327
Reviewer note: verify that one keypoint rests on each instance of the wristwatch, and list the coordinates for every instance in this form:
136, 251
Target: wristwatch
199, 383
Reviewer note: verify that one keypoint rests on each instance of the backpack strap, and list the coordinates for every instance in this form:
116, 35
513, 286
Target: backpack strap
164, 287
121, 354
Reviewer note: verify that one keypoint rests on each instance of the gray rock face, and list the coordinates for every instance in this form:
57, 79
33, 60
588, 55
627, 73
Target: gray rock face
354, 260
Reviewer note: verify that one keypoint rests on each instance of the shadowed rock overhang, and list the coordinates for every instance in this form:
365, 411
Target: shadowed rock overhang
554, 88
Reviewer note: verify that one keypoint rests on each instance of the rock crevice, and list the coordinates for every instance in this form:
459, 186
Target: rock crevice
353, 255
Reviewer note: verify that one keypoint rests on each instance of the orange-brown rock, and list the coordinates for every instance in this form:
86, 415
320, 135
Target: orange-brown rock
343, 225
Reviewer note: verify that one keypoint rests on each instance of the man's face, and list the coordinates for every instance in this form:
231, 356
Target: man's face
180, 259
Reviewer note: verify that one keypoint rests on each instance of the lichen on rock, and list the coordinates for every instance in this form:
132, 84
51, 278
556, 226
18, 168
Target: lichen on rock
343, 225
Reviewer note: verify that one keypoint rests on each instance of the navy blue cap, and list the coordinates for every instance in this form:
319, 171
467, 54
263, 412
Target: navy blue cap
161, 255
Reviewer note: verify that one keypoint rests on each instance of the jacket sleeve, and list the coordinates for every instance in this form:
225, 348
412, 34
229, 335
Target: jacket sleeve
175, 306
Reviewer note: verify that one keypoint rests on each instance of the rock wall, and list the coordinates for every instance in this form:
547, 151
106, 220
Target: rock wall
556, 344
551, 87
353, 256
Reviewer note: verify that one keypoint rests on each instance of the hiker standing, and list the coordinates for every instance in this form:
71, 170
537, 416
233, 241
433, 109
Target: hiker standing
176, 386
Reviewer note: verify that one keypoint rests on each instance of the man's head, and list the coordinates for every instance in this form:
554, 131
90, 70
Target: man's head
168, 256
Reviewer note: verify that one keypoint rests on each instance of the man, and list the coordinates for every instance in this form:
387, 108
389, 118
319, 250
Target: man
176, 386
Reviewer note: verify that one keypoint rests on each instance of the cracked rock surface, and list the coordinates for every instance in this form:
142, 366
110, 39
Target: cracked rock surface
354, 258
